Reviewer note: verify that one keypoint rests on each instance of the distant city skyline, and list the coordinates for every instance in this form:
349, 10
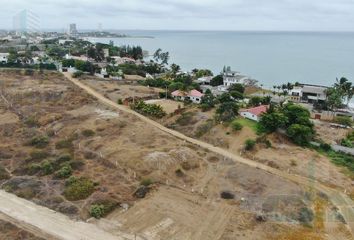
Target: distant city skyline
264, 15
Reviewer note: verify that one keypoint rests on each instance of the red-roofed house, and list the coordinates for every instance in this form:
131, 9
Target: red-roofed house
194, 95
254, 113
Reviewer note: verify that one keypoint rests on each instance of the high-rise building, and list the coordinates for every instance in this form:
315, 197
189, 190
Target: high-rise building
73, 29
26, 22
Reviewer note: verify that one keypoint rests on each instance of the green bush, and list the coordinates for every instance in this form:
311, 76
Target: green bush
120, 101
346, 143
146, 182
250, 144
64, 144
32, 121
77, 74
152, 110
346, 121
65, 171
97, 211
236, 126
325, 147
78, 188
39, 155
39, 141
47, 167
305, 216
88, 133
101, 208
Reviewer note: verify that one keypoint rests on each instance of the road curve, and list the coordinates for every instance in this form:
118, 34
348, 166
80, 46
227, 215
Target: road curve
344, 204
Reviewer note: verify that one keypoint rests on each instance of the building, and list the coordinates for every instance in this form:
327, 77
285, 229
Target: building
204, 80
73, 29
4, 58
195, 96
26, 22
308, 93
254, 113
64, 41
232, 77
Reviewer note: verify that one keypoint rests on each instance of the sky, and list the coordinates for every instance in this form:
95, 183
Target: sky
264, 15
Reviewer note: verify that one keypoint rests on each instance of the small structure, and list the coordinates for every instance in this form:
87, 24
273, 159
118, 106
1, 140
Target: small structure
4, 57
195, 96
254, 113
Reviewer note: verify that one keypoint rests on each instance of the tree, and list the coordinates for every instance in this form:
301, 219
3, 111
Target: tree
13, 56
203, 72
175, 68
270, 122
300, 134
334, 99
208, 101
227, 111
161, 56
297, 114
217, 81
225, 97
236, 95
237, 87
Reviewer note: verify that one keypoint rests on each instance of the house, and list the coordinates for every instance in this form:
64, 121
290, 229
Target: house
195, 96
254, 113
4, 57
232, 77
308, 93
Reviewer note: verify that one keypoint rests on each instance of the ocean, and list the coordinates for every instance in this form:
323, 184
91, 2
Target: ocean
272, 58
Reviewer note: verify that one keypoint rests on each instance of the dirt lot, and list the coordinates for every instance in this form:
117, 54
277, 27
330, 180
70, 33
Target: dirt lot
120, 151
115, 90
330, 134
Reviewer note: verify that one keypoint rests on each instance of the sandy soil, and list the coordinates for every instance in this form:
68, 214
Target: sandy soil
115, 90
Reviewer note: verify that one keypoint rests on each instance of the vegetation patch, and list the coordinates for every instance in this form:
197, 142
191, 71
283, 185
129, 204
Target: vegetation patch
185, 119
64, 144
204, 128
101, 208
78, 188
39, 141
250, 144
88, 133
152, 110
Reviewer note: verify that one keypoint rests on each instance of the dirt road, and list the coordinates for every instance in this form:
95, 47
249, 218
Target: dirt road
340, 200
49, 224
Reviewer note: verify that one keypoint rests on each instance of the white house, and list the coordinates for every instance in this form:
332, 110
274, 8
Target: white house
4, 57
194, 95
232, 77
254, 113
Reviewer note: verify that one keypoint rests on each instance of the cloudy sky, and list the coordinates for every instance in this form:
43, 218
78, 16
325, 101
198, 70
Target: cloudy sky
307, 15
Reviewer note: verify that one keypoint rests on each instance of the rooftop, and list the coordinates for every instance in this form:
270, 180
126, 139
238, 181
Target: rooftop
257, 110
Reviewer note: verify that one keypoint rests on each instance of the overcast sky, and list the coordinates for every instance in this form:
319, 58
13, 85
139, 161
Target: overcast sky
307, 15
